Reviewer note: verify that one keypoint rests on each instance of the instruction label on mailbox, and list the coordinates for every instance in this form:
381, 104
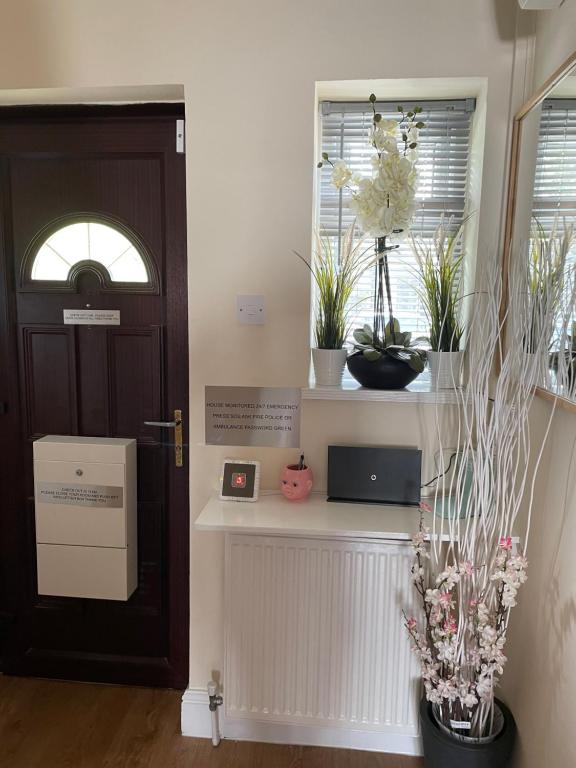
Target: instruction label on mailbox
110, 496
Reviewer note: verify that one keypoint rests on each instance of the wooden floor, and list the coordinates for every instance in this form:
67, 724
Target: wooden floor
48, 724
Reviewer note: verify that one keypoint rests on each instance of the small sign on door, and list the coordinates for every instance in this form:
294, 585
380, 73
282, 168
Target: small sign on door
91, 317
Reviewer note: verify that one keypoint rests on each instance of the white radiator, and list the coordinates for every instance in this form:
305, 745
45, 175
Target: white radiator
314, 634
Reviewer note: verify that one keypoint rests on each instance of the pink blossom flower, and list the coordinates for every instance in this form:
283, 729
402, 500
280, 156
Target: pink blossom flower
411, 623
450, 626
425, 507
506, 542
432, 596
466, 568
445, 600
435, 615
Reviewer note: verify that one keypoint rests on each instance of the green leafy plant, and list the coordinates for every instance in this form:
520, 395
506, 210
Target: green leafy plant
548, 272
439, 265
394, 343
335, 278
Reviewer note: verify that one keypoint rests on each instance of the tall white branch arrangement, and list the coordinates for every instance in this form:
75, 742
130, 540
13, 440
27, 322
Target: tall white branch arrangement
469, 567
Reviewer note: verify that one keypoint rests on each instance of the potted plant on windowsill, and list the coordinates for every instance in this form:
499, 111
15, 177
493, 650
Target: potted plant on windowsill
469, 566
439, 266
550, 285
335, 278
384, 205
375, 363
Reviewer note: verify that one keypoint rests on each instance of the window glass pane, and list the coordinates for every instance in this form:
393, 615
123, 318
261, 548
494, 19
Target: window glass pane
554, 199
443, 152
106, 244
129, 268
70, 243
89, 241
50, 267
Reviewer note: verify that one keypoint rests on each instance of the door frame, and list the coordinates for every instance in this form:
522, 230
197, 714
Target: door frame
171, 671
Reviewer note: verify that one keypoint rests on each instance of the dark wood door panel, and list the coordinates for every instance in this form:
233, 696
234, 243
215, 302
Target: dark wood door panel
133, 356
98, 381
104, 130
50, 311
129, 188
48, 371
93, 380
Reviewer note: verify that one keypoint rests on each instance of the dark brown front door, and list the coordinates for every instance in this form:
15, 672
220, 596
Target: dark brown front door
93, 216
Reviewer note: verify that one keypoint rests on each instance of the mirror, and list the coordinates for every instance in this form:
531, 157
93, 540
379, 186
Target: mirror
541, 222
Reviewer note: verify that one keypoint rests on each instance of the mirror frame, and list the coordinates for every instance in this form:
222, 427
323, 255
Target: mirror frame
536, 99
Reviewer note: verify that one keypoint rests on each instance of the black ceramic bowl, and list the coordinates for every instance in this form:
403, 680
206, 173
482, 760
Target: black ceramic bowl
384, 373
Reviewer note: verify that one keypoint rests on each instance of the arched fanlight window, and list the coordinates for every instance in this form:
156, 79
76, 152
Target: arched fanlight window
89, 242
69, 247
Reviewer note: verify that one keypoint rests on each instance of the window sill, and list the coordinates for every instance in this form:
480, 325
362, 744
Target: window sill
420, 391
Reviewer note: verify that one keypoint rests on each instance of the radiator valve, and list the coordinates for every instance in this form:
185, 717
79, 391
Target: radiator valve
215, 700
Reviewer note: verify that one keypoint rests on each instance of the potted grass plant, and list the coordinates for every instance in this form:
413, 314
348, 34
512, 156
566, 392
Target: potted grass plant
550, 281
469, 563
439, 265
335, 277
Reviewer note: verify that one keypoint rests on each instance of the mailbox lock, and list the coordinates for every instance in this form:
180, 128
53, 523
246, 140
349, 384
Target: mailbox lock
79, 472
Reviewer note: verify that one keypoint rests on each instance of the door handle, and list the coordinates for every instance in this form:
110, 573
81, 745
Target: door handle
176, 425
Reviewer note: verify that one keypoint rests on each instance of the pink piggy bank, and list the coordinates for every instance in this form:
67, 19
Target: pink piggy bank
295, 483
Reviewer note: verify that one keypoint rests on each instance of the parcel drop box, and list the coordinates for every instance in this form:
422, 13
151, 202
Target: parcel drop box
86, 527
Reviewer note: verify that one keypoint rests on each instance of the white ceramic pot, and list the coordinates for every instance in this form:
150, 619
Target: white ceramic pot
445, 369
329, 366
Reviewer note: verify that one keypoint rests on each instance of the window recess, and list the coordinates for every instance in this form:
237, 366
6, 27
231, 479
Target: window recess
443, 170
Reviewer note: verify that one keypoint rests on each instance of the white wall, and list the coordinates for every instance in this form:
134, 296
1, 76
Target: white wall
249, 70
540, 682
555, 40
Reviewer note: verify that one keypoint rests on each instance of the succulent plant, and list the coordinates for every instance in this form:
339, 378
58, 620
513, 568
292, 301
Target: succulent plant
395, 343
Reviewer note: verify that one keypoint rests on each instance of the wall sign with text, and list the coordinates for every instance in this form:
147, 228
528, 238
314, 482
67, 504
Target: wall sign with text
91, 316
257, 416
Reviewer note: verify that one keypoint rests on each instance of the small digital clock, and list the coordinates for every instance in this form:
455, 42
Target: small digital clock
240, 480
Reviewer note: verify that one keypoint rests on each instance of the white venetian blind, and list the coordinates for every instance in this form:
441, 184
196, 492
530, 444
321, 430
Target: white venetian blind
443, 154
555, 176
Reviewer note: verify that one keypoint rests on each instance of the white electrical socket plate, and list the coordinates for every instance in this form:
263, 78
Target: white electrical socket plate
251, 310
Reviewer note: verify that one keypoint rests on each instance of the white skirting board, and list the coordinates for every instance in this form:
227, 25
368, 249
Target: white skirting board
196, 722
195, 717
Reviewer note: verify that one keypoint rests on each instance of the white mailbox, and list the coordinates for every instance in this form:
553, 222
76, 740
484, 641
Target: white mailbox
86, 525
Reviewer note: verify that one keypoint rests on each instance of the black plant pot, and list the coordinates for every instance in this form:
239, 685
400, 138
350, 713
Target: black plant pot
384, 373
444, 751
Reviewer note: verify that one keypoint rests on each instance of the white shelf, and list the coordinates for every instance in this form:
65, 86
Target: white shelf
360, 394
315, 517
419, 391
